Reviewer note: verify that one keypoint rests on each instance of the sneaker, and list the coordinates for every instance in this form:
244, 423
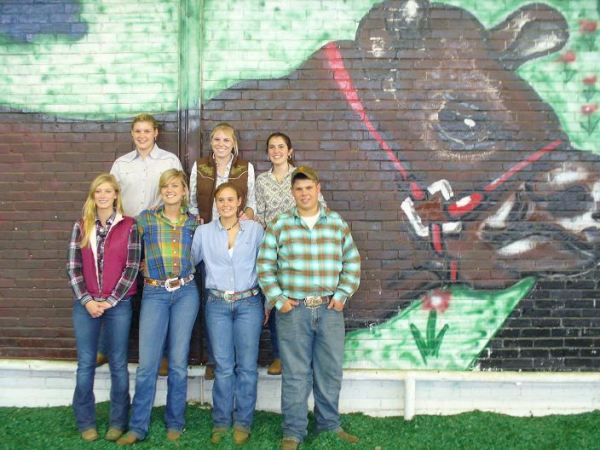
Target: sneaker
289, 444
128, 439
89, 435
240, 436
113, 434
217, 435
209, 372
347, 437
275, 367
173, 435
163, 370
101, 359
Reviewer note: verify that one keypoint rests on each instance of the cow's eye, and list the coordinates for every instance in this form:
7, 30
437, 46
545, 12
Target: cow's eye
464, 126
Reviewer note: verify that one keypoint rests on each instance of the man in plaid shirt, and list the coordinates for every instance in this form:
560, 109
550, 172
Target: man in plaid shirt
308, 266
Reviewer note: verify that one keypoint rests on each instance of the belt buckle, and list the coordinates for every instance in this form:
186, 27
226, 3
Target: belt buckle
168, 286
313, 301
228, 296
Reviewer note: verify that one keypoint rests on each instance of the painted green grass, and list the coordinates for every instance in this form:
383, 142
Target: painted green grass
472, 318
54, 428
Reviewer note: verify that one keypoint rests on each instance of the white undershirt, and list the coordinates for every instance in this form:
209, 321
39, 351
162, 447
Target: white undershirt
310, 221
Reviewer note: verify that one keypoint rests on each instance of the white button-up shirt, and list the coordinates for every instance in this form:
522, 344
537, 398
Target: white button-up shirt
138, 178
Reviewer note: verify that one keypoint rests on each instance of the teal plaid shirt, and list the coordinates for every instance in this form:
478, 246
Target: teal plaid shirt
296, 262
167, 245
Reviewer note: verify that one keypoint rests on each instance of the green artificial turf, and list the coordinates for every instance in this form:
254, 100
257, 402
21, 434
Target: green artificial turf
54, 428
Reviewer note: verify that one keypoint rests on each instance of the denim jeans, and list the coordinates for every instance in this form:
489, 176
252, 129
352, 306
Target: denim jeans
234, 329
201, 282
116, 321
163, 313
312, 353
272, 324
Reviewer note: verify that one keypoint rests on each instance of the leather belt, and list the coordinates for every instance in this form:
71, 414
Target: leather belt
313, 301
231, 296
170, 284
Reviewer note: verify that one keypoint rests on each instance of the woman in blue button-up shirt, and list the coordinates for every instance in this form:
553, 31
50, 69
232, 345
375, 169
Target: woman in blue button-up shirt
234, 311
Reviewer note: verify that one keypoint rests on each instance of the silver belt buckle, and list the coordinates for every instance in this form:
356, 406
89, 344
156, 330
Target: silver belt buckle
313, 301
168, 286
228, 296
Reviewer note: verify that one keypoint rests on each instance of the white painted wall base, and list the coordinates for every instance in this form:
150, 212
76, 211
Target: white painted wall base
374, 392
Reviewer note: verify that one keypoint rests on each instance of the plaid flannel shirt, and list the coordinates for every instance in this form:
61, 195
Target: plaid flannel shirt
75, 267
167, 246
296, 262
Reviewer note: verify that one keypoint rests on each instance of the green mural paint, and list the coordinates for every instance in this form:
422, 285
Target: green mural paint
468, 319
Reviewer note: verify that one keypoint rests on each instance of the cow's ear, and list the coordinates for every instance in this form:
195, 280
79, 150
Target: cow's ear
530, 32
391, 25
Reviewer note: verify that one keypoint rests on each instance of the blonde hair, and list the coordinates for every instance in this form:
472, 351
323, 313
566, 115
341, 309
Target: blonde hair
228, 129
89, 207
145, 117
180, 175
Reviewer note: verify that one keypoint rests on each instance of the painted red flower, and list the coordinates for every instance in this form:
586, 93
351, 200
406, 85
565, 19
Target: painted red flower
588, 110
588, 26
437, 300
567, 57
590, 80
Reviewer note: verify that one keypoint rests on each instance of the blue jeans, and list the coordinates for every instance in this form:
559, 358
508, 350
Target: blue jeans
312, 353
201, 283
163, 313
117, 321
234, 329
272, 324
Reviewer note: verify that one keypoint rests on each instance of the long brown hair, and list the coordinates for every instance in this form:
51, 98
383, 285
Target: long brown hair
88, 213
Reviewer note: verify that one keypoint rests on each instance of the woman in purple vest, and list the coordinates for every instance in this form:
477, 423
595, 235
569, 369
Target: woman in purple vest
104, 257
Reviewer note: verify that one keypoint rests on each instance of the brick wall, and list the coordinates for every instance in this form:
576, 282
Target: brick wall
503, 273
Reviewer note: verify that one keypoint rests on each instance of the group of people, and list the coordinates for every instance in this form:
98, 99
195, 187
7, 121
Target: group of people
257, 251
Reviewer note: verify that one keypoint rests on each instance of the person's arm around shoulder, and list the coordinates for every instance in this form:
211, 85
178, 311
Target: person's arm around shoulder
131, 269
349, 278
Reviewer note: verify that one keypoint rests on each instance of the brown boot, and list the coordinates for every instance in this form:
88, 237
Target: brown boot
289, 444
217, 435
240, 436
209, 372
347, 437
113, 434
89, 435
163, 370
275, 367
128, 439
173, 435
101, 359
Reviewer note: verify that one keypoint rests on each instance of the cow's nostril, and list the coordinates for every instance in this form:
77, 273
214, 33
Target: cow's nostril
596, 216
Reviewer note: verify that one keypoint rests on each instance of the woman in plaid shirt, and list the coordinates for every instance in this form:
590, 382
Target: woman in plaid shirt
169, 306
104, 257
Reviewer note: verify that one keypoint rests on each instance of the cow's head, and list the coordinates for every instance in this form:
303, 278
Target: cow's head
502, 192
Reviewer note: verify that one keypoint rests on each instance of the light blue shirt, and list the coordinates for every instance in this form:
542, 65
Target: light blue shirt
224, 272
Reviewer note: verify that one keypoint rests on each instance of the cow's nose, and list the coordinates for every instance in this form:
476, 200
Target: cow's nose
596, 216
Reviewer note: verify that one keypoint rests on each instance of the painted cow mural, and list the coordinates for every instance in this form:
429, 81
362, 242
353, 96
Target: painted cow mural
440, 131
481, 185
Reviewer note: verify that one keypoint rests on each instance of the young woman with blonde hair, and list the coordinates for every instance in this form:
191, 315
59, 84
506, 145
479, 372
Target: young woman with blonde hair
169, 307
104, 256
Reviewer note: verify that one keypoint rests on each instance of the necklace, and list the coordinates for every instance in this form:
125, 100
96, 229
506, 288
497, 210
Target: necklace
231, 227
